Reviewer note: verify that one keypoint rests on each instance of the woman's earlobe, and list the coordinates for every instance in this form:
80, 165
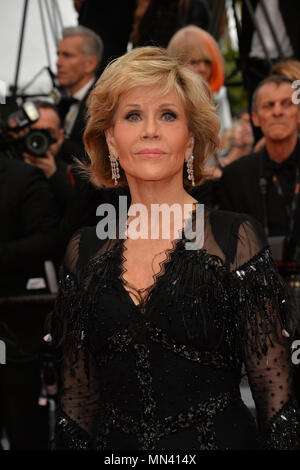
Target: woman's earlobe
191, 144
190, 148
108, 134
110, 140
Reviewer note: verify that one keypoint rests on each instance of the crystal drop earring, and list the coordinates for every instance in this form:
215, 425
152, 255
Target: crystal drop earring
190, 169
115, 173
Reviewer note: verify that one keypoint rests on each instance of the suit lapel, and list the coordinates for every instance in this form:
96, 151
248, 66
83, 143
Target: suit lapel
80, 121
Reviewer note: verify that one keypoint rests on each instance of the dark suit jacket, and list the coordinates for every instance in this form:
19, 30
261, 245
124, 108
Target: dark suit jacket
73, 145
112, 21
80, 121
239, 190
162, 19
28, 226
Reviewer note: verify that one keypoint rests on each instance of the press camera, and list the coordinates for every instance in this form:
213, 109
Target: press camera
16, 137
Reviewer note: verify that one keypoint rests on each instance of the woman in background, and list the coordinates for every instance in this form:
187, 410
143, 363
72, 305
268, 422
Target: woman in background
196, 49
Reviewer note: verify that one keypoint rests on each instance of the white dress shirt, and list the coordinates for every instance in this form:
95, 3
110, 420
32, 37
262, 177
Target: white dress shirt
74, 108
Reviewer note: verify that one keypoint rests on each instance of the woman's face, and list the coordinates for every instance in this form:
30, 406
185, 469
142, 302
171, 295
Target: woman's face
150, 134
200, 65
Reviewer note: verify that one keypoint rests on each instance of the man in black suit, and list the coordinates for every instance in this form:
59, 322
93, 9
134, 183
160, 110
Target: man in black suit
264, 184
79, 55
27, 238
257, 54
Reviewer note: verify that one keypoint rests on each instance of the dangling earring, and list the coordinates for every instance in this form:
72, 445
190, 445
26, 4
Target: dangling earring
115, 173
190, 169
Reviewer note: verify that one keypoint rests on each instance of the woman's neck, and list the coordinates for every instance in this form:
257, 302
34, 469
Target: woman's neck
161, 206
158, 192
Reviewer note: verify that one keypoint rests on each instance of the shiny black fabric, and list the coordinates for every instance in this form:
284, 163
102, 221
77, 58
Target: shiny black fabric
161, 368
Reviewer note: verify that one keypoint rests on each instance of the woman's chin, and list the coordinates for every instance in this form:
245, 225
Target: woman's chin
150, 177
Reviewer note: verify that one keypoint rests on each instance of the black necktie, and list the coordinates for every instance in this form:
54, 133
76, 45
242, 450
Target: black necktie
64, 106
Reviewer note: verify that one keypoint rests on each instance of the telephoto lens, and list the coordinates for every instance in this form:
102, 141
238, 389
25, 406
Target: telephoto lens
37, 142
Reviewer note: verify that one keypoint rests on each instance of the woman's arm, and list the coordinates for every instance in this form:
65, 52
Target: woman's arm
78, 397
268, 318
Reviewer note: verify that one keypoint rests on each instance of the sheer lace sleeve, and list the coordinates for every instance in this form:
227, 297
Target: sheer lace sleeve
269, 319
75, 420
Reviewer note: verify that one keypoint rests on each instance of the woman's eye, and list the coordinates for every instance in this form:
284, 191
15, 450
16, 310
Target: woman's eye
168, 116
132, 117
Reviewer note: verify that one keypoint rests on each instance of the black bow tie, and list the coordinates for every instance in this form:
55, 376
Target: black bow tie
65, 104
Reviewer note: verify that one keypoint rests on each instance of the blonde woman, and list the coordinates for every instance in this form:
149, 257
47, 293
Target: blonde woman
155, 330
197, 49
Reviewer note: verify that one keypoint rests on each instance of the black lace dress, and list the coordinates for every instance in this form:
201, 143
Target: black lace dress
165, 373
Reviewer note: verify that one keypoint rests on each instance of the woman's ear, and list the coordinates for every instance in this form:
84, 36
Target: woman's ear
110, 140
190, 147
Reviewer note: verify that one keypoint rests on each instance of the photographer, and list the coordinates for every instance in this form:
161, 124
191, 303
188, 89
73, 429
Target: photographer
28, 238
52, 162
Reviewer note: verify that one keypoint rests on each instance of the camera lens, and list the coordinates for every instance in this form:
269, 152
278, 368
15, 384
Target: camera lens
37, 143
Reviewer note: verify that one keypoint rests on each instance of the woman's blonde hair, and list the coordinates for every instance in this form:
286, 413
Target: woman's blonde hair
149, 67
191, 39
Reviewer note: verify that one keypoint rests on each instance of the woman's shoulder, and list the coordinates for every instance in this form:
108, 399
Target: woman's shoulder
225, 220
83, 246
236, 233
231, 221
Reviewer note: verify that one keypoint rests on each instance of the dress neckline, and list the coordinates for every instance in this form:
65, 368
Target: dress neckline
143, 295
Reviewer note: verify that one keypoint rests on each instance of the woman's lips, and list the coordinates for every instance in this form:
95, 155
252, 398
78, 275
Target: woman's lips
151, 153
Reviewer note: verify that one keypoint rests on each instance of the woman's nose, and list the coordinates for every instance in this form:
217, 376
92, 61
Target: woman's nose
150, 128
203, 69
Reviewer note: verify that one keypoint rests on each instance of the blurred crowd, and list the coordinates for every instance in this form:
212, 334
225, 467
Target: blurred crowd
45, 196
